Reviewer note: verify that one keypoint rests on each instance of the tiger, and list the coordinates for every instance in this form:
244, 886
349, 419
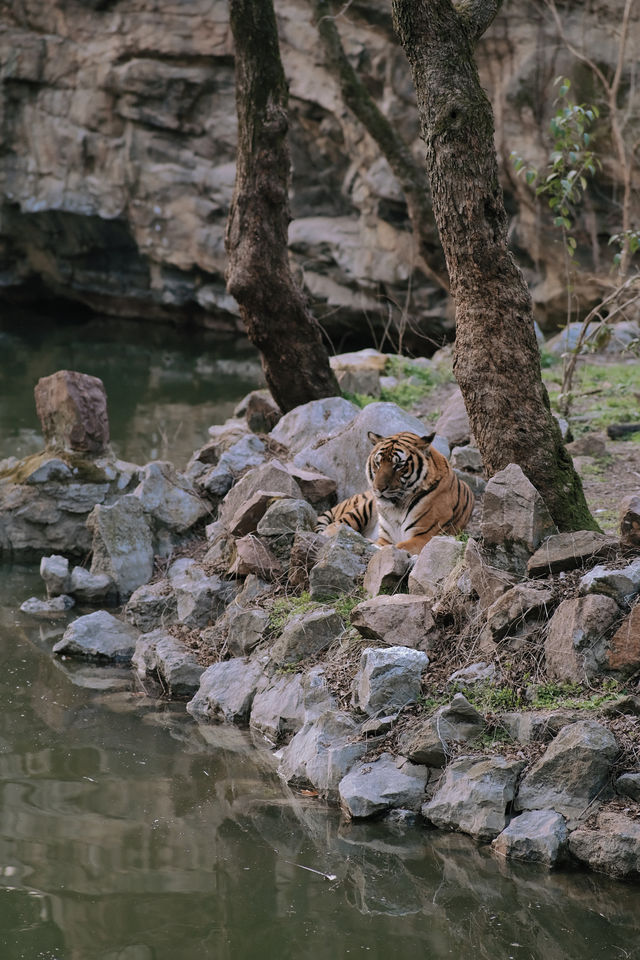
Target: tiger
414, 495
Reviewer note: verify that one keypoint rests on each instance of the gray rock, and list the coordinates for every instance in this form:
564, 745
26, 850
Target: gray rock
169, 497
253, 588
318, 698
226, 691
318, 419
515, 519
512, 613
170, 661
475, 673
269, 476
399, 620
387, 570
539, 836
577, 643
613, 847
152, 605
246, 628
467, 459
572, 773
47, 608
306, 635
278, 709
387, 782
122, 544
90, 587
388, 679
436, 561
99, 636
628, 785
474, 795
623, 583
431, 743
341, 562
453, 422
249, 514
54, 571
285, 517
201, 599
49, 470
566, 551
322, 752
537, 725
487, 581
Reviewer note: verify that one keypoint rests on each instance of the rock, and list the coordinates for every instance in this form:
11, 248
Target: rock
72, 408
628, 785
613, 847
200, 599
90, 587
341, 562
247, 452
623, 583
629, 514
435, 563
248, 515
254, 587
344, 455
169, 497
48, 470
259, 410
122, 544
322, 752
577, 646
285, 518
306, 635
246, 628
467, 460
626, 705
226, 691
152, 605
278, 709
623, 651
359, 372
572, 773
539, 836
512, 613
566, 551
47, 608
169, 660
487, 581
305, 552
98, 636
317, 489
254, 557
54, 571
397, 620
453, 422
387, 570
318, 419
270, 476
473, 796
537, 725
475, 673
431, 742
388, 679
515, 519
385, 783
588, 445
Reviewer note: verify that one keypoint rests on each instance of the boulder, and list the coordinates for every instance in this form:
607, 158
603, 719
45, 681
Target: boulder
249, 514
572, 773
453, 422
359, 372
226, 691
622, 583
322, 752
566, 551
341, 562
306, 635
170, 661
433, 740
612, 847
247, 452
99, 636
487, 581
93, 588
629, 514
259, 410
152, 605
474, 795
577, 643
370, 789
278, 709
475, 673
623, 649
122, 544
245, 629
318, 419
388, 679
169, 497
318, 489
254, 557
285, 517
72, 408
628, 785
200, 599
387, 570
54, 571
513, 613
515, 520
539, 836
436, 561
466, 459
396, 620
269, 476
532, 726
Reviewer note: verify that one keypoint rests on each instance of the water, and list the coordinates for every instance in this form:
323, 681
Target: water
128, 832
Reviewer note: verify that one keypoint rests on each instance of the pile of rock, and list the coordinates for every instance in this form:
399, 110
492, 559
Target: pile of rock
352, 745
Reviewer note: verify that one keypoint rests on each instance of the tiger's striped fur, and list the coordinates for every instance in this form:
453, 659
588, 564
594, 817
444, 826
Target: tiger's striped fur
414, 495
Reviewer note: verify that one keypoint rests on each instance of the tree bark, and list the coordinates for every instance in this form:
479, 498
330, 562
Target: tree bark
496, 359
272, 306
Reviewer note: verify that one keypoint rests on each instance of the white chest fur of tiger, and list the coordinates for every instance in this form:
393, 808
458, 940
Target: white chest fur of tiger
415, 495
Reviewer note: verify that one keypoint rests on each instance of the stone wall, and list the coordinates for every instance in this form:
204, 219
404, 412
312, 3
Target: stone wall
117, 166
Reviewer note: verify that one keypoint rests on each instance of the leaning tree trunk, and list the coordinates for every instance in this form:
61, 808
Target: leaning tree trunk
273, 308
496, 360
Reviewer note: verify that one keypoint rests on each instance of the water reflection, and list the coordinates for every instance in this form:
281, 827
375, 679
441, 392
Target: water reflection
127, 832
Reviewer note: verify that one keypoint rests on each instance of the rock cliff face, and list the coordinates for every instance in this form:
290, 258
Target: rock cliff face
117, 164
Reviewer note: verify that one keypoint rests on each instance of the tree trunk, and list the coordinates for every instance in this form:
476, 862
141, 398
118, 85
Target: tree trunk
273, 308
496, 360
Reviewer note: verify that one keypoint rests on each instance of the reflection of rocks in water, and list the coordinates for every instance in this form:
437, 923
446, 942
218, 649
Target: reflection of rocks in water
19, 443
171, 431
93, 677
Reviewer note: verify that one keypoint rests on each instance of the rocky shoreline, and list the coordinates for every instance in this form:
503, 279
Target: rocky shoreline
488, 686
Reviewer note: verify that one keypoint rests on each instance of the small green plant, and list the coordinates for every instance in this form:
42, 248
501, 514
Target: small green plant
286, 607
344, 604
574, 695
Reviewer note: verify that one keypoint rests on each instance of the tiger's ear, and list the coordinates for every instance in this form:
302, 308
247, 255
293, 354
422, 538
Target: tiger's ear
428, 438
374, 437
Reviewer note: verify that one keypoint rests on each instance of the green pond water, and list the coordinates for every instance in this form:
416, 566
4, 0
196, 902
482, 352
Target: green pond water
129, 832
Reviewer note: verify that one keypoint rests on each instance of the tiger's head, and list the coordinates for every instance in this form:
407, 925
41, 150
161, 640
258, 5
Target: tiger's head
397, 465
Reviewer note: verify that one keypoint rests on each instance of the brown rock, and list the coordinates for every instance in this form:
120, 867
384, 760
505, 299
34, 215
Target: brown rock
249, 514
566, 551
261, 412
624, 647
630, 522
576, 646
72, 408
400, 620
317, 488
253, 557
